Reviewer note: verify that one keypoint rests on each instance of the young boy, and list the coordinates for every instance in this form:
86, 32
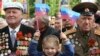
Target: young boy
51, 46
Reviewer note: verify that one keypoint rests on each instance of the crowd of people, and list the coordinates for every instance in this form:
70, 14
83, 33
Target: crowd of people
52, 36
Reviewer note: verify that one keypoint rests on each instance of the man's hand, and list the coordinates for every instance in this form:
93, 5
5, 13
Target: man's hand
63, 37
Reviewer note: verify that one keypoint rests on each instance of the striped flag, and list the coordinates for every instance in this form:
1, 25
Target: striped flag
0, 4
41, 10
64, 13
69, 14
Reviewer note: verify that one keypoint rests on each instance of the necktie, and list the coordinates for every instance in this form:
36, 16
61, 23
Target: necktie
13, 37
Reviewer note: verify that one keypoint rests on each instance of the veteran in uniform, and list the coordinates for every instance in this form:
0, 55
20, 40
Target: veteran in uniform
86, 37
14, 38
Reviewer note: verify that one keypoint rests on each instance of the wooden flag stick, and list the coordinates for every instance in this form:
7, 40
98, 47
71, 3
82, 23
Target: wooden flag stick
37, 22
61, 25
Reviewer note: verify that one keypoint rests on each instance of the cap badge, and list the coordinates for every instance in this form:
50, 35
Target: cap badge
87, 10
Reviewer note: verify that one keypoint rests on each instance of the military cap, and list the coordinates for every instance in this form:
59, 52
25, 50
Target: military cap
85, 8
17, 5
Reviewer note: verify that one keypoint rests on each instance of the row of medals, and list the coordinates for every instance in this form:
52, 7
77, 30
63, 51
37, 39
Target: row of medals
22, 46
76, 42
4, 48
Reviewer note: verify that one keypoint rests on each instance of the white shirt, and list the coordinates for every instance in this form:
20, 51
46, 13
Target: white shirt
16, 29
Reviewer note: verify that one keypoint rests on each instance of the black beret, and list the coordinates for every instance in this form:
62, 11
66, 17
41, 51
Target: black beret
85, 8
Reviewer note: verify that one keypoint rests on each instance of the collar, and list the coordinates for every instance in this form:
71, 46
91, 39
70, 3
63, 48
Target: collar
16, 29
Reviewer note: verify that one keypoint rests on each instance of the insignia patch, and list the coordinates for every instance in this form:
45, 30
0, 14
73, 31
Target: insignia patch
96, 44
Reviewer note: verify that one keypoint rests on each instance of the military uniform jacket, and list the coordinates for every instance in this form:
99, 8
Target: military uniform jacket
85, 44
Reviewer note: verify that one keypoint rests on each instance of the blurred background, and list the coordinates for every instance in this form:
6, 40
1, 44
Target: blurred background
29, 5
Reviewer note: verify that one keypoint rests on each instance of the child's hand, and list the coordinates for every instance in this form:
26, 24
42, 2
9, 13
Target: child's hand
37, 35
63, 37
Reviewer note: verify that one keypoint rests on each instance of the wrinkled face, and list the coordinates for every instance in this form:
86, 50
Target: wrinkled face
86, 22
69, 23
13, 16
50, 49
38, 24
66, 23
63, 23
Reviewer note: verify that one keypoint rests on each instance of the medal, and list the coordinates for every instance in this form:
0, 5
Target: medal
5, 54
96, 44
7, 46
1, 54
76, 42
6, 35
18, 43
79, 44
29, 39
70, 36
9, 51
26, 38
6, 39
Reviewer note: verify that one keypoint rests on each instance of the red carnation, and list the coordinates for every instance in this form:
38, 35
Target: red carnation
19, 35
91, 42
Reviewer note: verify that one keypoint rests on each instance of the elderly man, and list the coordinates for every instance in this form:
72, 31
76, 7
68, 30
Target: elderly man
85, 38
15, 34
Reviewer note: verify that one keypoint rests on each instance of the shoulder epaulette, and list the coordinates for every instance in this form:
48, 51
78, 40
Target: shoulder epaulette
97, 31
70, 31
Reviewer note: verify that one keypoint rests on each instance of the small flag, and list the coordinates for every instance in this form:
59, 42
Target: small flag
69, 13
41, 10
64, 13
0, 3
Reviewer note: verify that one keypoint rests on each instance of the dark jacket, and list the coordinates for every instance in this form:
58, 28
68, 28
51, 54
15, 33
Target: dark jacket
23, 28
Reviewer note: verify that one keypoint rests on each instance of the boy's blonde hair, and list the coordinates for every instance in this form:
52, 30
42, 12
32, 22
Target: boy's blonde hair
51, 39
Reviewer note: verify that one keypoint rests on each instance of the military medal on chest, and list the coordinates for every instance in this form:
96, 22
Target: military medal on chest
22, 43
4, 48
93, 47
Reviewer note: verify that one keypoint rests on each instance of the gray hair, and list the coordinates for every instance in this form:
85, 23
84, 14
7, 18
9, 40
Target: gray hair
45, 20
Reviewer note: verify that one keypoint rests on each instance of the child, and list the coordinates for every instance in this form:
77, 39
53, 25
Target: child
50, 46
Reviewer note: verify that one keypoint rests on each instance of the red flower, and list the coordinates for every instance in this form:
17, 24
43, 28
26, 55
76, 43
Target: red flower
91, 42
20, 35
